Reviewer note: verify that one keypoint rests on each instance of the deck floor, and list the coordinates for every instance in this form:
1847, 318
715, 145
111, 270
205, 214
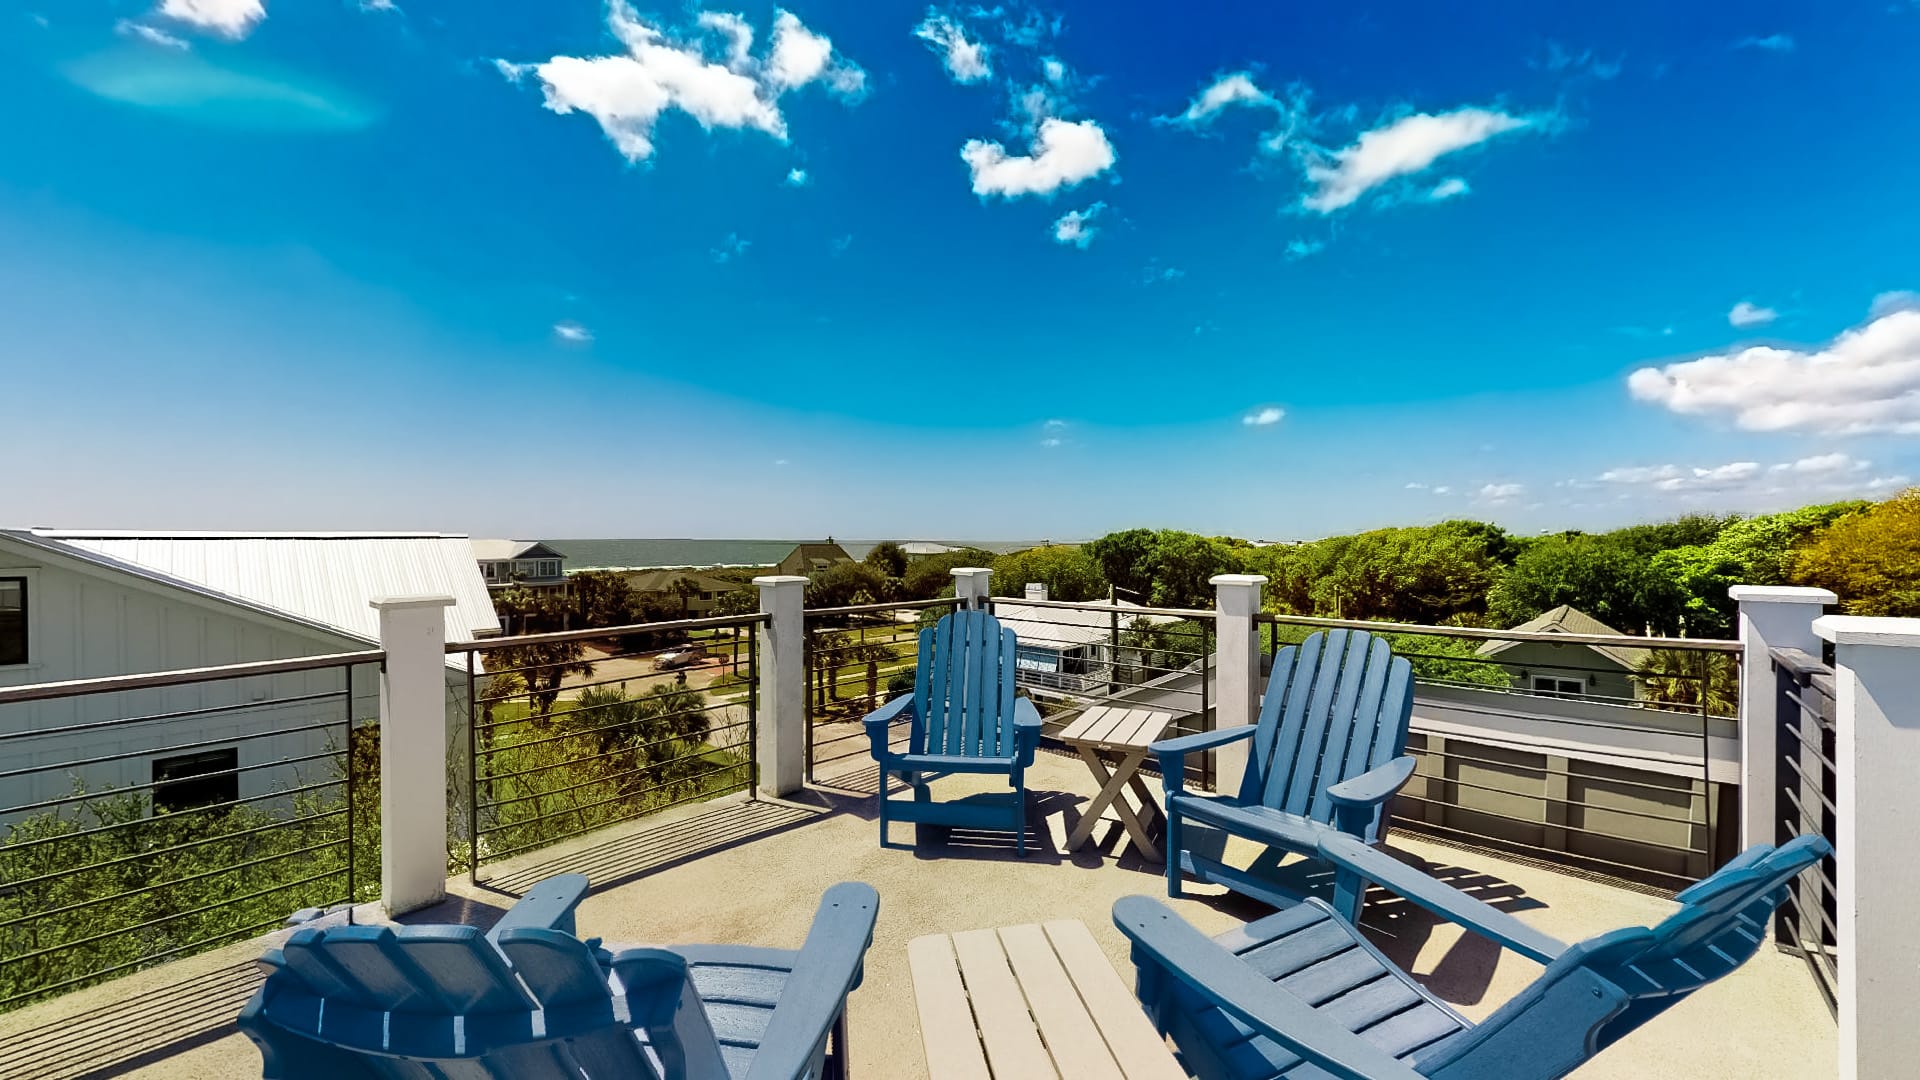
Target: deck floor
752, 872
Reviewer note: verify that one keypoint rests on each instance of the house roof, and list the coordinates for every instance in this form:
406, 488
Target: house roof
496, 550
926, 547
328, 579
818, 555
662, 580
1567, 619
1064, 628
670, 553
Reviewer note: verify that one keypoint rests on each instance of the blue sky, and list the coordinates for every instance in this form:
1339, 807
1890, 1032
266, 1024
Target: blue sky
1276, 270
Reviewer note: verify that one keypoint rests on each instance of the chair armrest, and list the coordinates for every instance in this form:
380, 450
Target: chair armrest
1356, 800
547, 906
824, 973
1226, 980
1026, 731
1172, 753
1355, 856
879, 721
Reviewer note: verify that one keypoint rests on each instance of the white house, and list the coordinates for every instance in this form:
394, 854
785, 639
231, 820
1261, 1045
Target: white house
525, 564
1070, 649
78, 605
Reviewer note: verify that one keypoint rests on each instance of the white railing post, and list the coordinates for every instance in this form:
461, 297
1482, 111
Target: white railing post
1876, 701
1771, 617
780, 741
970, 584
413, 752
1236, 700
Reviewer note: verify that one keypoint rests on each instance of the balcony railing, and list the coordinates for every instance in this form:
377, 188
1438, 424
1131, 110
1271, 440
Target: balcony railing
571, 732
1611, 754
858, 657
1809, 795
147, 818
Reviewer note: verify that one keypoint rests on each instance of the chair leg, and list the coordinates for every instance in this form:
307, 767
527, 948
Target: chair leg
1020, 816
838, 1066
1172, 849
883, 806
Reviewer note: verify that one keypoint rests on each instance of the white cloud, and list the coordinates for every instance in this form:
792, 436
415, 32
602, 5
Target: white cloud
230, 19
379, 5
1235, 88
1771, 43
150, 34
1823, 465
1888, 483
1442, 489
801, 56
1402, 148
627, 94
731, 248
1897, 300
1745, 314
1831, 473
572, 332
965, 60
1415, 485
779, 461
1264, 417
1451, 188
1054, 69
1865, 380
1157, 273
1063, 154
1300, 247
1073, 228
797, 177
737, 32
1498, 494
1050, 442
839, 244
1054, 425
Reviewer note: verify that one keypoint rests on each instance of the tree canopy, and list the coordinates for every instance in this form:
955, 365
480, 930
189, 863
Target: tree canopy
1068, 572
1871, 558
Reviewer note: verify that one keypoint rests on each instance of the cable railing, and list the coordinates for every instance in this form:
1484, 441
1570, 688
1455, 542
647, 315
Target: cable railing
1076, 656
146, 818
1809, 795
858, 657
1610, 754
575, 731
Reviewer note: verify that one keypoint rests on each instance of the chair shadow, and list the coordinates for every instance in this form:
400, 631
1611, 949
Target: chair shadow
1401, 929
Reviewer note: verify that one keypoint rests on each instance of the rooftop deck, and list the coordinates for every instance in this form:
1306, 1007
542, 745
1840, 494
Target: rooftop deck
751, 872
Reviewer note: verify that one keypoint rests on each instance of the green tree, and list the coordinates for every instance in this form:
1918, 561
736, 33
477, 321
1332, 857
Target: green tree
1067, 572
1604, 578
837, 585
600, 598
686, 589
1752, 551
1681, 679
1126, 560
889, 558
932, 576
1184, 564
1687, 530
1871, 559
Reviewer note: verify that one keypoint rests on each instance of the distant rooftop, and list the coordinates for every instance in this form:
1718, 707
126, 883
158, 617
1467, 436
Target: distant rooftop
318, 577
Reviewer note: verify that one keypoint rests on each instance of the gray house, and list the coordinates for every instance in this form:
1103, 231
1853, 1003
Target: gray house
1570, 670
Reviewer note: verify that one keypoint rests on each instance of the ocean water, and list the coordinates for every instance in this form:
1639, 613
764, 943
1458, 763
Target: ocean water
646, 554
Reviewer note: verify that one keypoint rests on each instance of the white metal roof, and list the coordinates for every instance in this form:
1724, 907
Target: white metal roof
491, 550
1064, 628
326, 578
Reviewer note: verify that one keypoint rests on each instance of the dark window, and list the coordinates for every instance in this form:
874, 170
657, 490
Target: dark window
191, 780
13, 620
1560, 688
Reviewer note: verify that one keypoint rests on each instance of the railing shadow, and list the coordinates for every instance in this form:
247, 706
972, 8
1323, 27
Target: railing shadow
121, 1036
652, 847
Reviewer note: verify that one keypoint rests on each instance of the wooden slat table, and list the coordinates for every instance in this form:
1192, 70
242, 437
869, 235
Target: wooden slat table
1033, 1002
1122, 735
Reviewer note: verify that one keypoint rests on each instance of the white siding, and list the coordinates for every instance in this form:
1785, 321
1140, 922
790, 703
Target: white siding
85, 622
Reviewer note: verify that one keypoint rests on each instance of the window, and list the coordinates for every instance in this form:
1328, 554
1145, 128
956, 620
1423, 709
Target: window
194, 780
1561, 688
491, 570
13, 620
550, 568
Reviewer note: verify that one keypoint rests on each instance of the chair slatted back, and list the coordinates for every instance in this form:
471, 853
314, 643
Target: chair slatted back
963, 687
1607, 986
1337, 705
434, 1001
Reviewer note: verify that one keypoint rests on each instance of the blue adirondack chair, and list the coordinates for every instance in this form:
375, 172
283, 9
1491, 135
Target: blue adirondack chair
1326, 754
964, 719
530, 1001
1301, 994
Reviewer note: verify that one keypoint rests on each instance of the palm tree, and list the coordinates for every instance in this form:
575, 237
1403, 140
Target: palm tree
686, 589
1680, 680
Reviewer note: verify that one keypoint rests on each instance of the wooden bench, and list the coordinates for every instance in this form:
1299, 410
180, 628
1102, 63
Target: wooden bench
1031, 1002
